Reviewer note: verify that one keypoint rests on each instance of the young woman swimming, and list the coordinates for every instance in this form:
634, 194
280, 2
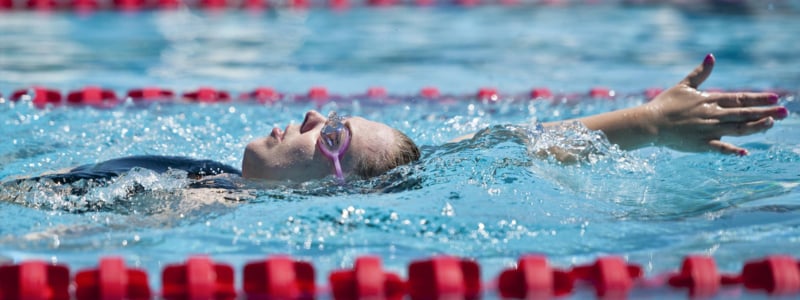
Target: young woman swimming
682, 118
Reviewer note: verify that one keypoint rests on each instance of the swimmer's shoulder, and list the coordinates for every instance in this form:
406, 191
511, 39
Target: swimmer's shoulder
163, 163
195, 169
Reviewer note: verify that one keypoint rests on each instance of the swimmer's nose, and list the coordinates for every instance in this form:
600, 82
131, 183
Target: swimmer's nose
312, 120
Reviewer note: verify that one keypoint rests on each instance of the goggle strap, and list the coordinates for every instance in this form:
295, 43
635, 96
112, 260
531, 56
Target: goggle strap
335, 157
346, 144
337, 166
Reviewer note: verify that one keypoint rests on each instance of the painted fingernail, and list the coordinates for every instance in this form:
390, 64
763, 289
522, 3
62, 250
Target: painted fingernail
741, 152
773, 98
782, 112
709, 59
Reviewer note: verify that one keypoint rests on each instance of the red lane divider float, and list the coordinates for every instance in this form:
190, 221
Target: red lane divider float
699, 274
198, 278
444, 277
42, 5
777, 275
112, 280
367, 280
279, 277
441, 277
429, 92
377, 92
541, 93
207, 95
40, 96
84, 6
488, 94
128, 5
611, 276
100, 97
94, 96
150, 94
601, 92
88, 6
34, 280
262, 95
318, 93
254, 5
534, 279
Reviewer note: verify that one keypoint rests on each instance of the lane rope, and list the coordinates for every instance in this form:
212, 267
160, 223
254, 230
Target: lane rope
89, 6
438, 277
99, 97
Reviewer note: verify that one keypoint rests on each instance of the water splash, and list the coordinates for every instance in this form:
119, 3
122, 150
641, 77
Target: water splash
112, 194
573, 143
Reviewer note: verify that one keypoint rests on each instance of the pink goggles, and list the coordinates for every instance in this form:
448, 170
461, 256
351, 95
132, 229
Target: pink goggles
334, 139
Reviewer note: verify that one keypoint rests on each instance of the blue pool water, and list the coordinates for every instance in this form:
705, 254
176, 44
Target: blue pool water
486, 199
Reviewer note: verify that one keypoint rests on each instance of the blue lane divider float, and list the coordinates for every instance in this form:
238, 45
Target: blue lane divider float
440, 277
42, 97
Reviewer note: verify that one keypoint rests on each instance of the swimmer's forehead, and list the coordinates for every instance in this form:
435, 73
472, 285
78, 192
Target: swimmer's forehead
371, 136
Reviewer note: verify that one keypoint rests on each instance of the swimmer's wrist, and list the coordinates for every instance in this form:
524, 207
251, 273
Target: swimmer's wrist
648, 123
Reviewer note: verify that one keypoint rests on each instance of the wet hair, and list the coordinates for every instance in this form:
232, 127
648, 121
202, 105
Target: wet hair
405, 152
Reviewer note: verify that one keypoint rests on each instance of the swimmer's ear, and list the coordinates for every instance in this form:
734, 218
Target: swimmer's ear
699, 74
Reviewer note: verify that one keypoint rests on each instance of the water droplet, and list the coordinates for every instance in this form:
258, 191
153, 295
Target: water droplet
448, 210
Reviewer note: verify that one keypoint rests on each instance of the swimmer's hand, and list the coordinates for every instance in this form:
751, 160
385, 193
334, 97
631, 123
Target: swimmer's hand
686, 119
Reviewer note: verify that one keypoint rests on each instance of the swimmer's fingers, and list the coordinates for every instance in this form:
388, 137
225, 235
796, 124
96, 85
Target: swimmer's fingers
738, 129
726, 148
699, 74
746, 128
743, 99
748, 114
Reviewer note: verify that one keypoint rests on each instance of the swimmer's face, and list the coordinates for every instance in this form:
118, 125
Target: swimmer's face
292, 153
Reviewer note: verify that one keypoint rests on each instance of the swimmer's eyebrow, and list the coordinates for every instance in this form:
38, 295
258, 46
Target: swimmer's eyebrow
353, 132
346, 122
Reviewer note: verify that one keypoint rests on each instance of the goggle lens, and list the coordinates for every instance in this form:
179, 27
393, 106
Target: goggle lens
334, 133
334, 139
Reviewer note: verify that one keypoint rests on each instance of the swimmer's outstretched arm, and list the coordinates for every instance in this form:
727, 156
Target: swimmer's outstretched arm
685, 119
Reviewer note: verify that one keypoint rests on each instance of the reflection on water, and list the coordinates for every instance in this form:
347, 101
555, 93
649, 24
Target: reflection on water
402, 49
488, 199
37, 48
228, 47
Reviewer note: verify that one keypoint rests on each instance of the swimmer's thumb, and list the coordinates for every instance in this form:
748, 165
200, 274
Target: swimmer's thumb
699, 74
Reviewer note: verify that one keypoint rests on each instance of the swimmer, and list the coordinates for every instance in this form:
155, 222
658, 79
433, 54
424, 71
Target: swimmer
681, 118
